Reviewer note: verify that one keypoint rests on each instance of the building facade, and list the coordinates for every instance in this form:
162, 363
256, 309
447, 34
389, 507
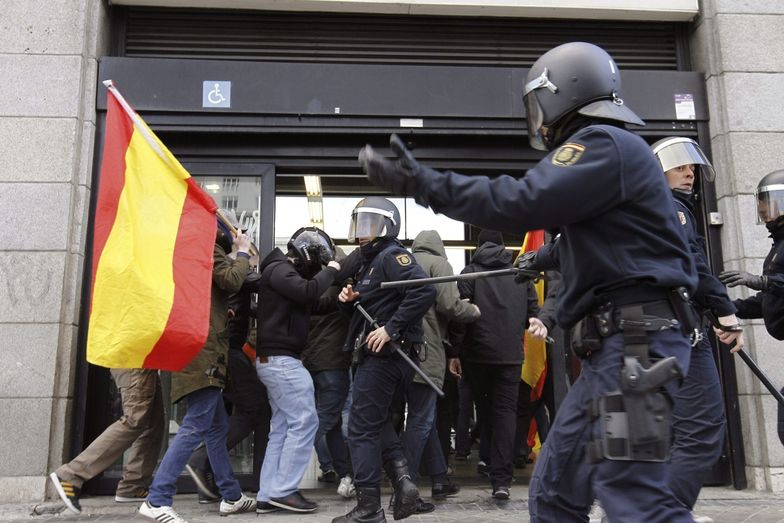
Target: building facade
55, 53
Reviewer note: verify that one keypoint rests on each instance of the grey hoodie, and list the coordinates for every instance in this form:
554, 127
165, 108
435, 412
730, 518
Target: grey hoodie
428, 249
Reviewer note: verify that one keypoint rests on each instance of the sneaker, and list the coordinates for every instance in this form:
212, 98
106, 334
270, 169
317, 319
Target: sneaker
459, 456
441, 491
67, 492
264, 507
206, 500
294, 502
501, 492
701, 519
482, 469
329, 476
346, 488
597, 514
139, 495
205, 483
162, 514
244, 504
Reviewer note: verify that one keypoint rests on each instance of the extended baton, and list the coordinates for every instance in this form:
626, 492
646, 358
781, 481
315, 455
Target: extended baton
460, 277
747, 359
402, 354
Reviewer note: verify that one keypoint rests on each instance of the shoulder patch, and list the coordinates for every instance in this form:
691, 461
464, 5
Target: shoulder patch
682, 217
403, 259
568, 154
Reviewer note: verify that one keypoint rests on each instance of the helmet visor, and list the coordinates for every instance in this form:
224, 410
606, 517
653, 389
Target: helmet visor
368, 222
683, 151
770, 203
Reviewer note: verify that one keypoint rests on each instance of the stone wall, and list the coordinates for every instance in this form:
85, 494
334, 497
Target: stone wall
739, 44
48, 55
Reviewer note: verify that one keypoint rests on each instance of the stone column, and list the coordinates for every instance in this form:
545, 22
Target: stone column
739, 44
48, 55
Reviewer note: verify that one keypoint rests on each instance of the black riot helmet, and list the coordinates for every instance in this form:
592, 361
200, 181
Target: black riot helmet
770, 198
374, 217
577, 77
310, 248
677, 151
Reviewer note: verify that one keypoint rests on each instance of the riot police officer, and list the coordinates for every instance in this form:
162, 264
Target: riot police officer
768, 303
383, 375
627, 274
698, 412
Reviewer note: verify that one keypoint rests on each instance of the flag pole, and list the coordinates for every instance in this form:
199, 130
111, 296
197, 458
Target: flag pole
142, 127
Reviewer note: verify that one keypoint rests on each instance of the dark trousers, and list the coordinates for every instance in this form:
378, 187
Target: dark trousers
420, 439
698, 425
563, 485
464, 416
251, 413
526, 408
447, 412
495, 393
379, 384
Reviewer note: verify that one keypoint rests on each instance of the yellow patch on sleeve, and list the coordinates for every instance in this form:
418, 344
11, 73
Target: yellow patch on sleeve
568, 154
403, 259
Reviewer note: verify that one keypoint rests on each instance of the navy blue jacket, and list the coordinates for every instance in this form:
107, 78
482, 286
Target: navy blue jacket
604, 189
711, 294
399, 310
769, 304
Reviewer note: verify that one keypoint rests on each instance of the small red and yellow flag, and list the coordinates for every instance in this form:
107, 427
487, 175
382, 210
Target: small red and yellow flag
152, 251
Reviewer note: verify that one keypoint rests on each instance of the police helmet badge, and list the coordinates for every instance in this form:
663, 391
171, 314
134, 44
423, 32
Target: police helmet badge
682, 217
403, 259
568, 154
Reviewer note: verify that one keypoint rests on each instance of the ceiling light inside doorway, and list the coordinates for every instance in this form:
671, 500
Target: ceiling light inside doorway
316, 211
312, 186
212, 187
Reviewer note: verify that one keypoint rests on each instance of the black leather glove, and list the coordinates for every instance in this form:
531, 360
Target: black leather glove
397, 176
526, 263
752, 281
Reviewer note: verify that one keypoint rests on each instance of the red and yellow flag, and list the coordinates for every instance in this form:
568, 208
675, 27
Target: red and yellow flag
535, 363
152, 251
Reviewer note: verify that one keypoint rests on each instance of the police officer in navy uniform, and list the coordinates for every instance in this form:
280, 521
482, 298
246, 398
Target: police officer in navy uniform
698, 412
627, 275
768, 302
382, 376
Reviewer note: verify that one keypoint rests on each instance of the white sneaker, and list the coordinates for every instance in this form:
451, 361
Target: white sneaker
244, 504
162, 514
346, 487
597, 514
701, 519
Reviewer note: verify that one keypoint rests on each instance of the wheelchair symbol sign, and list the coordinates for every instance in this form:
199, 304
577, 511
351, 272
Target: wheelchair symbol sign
216, 94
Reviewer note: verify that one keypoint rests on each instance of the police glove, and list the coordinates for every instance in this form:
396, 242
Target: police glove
526, 264
397, 176
325, 255
752, 281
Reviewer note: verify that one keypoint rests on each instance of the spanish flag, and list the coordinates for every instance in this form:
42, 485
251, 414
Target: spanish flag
534, 369
152, 251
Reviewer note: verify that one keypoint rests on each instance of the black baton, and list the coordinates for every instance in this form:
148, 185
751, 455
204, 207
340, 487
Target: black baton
534, 275
761, 375
402, 354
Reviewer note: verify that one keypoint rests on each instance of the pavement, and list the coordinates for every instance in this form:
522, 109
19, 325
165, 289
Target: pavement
473, 504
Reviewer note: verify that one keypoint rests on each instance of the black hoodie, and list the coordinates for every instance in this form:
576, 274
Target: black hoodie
287, 300
496, 338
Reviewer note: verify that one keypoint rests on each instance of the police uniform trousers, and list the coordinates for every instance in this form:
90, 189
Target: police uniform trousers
563, 485
698, 425
379, 383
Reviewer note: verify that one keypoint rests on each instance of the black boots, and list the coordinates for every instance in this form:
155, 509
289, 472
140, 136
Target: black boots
368, 509
405, 495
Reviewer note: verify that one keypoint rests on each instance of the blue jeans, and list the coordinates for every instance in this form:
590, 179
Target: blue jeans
697, 425
205, 420
420, 426
563, 484
292, 428
331, 392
